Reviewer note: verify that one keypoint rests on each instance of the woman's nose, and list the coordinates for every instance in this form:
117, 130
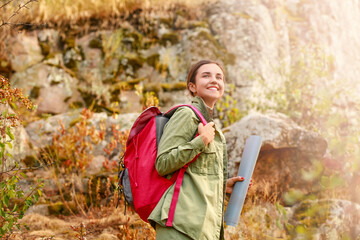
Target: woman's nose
213, 79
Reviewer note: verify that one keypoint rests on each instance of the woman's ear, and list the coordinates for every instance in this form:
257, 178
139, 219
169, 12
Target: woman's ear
192, 88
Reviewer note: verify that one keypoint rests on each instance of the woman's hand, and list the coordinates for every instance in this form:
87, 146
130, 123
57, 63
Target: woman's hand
207, 132
231, 182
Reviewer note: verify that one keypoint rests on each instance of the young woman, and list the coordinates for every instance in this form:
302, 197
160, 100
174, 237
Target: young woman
200, 207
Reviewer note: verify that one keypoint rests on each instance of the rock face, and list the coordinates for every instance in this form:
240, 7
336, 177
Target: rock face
267, 37
287, 149
258, 42
24, 51
332, 25
105, 66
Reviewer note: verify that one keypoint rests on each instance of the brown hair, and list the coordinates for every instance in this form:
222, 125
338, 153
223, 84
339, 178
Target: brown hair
194, 69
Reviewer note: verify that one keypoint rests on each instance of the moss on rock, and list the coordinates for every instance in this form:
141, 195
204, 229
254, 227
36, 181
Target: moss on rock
35, 92
208, 36
122, 86
135, 61
166, 21
59, 208
153, 60
171, 37
45, 48
134, 39
135, 81
5, 68
198, 24
96, 43
76, 105
152, 87
174, 86
70, 42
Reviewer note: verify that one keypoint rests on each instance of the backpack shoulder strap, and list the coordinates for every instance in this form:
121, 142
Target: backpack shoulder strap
196, 111
182, 170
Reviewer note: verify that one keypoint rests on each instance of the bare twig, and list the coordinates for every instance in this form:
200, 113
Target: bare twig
2, 167
61, 193
5, 4
28, 195
20, 169
62, 66
17, 24
16, 12
74, 195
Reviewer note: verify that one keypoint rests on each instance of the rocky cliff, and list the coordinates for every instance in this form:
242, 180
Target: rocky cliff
295, 57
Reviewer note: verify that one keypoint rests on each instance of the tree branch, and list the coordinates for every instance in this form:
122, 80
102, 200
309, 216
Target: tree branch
7, 22
5, 4
8, 172
29, 194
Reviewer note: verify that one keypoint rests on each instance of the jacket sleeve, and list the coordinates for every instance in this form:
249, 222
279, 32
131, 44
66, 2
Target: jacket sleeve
177, 146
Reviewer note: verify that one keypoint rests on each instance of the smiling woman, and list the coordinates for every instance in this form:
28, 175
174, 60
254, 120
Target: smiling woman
199, 211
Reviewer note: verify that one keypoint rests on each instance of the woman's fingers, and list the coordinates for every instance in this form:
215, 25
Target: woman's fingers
231, 182
207, 132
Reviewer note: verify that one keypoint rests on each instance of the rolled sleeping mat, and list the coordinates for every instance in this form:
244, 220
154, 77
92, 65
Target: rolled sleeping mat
246, 169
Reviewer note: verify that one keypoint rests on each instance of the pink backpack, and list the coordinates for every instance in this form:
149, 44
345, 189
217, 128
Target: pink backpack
141, 184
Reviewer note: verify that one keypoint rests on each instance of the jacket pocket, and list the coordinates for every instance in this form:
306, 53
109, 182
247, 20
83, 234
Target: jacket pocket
206, 163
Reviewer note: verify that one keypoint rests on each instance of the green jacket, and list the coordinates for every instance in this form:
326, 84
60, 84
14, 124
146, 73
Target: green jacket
199, 210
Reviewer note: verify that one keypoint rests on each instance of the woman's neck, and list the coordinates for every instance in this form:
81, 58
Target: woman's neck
210, 111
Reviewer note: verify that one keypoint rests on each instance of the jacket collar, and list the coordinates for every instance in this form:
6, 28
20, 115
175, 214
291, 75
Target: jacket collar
199, 103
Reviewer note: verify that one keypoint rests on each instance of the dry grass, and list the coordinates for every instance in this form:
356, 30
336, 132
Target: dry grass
116, 225
30, 14
44, 11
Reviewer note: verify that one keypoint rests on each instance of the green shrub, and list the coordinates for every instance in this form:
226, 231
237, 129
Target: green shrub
14, 201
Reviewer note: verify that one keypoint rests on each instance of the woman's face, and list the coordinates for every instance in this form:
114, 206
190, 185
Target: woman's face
209, 84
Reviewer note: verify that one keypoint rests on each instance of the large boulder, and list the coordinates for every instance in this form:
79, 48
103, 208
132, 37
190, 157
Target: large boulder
19, 146
52, 87
24, 51
41, 133
286, 150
